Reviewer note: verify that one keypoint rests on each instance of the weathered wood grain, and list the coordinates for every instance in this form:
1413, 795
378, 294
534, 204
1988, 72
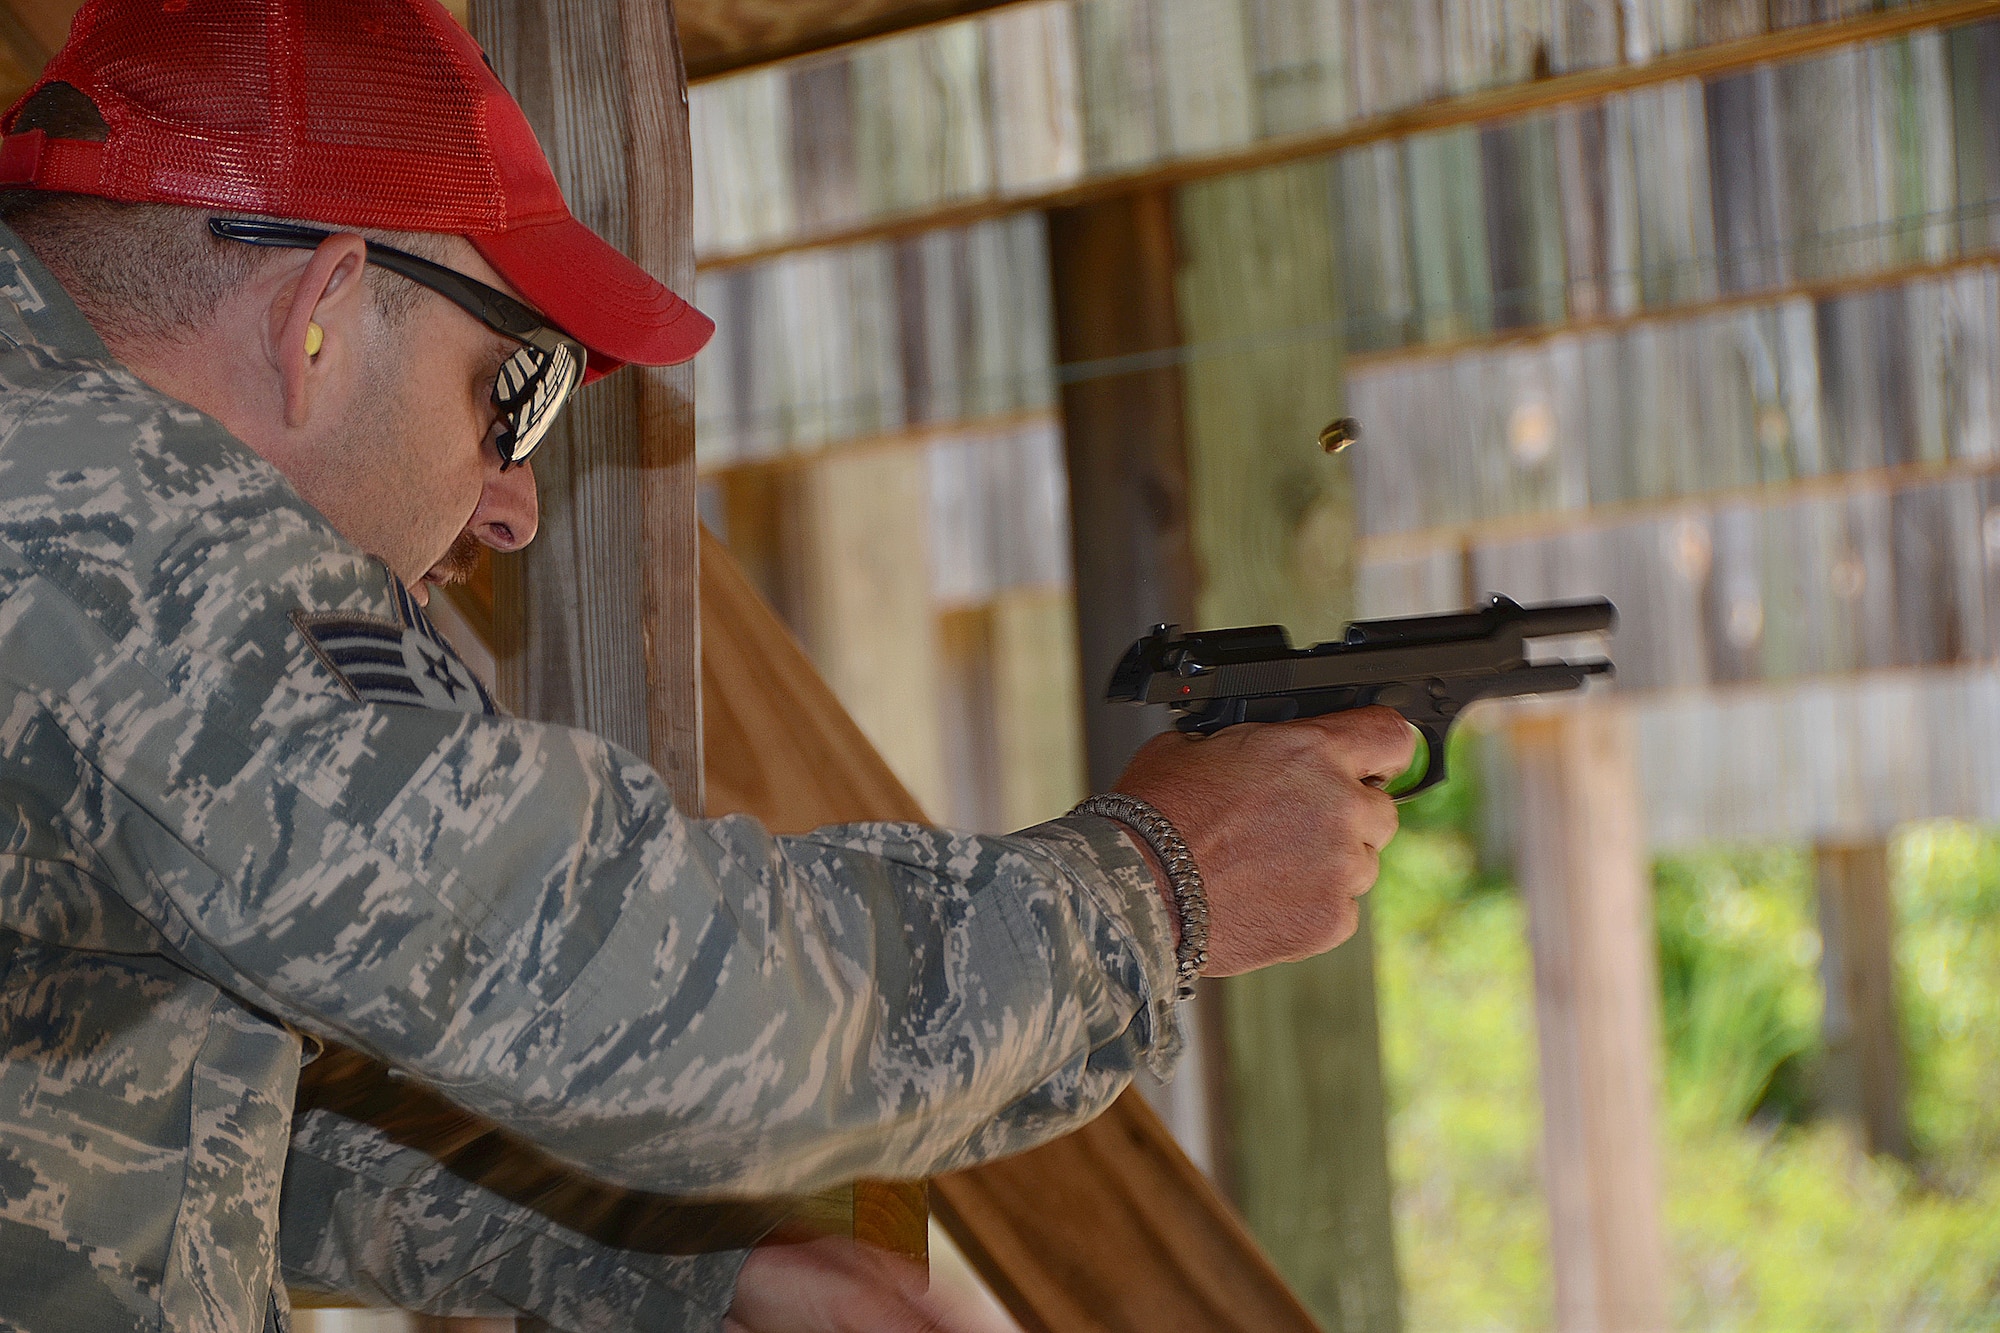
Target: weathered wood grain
1113, 266
1122, 168
778, 743
1582, 869
1113, 1230
659, 182
1864, 1059
1113, 269
723, 35
1272, 519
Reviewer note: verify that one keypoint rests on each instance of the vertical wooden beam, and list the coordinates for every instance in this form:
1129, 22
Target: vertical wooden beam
659, 202
862, 563
1273, 524
1112, 265
601, 640
1582, 865
600, 626
1864, 1062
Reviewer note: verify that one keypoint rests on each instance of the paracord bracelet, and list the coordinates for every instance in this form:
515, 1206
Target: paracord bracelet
1183, 877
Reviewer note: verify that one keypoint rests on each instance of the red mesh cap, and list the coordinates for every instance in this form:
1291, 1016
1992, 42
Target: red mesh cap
351, 113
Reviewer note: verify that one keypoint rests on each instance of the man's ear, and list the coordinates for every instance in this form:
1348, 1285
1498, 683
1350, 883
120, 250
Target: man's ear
330, 296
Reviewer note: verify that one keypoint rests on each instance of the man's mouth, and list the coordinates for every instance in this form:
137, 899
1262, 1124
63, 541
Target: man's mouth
458, 564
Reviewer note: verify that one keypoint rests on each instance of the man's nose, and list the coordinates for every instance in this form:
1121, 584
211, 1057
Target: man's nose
509, 511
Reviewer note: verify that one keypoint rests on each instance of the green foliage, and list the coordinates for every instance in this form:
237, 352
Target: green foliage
1459, 1050
1740, 994
1777, 1220
1948, 959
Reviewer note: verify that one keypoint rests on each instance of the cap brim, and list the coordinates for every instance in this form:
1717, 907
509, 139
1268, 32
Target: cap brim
591, 291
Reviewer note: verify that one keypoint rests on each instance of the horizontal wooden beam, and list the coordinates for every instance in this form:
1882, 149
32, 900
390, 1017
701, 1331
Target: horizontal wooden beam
1822, 289
1472, 108
720, 36
910, 437
1551, 522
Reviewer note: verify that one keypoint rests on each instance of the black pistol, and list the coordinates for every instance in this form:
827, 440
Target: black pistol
1428, 668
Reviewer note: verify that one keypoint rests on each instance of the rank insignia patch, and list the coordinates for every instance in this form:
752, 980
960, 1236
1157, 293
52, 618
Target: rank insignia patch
401, 661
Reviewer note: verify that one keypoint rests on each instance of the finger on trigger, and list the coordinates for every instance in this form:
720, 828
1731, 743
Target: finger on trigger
1374, 744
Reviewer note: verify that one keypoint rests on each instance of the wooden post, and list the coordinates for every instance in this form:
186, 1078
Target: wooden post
1864, 1063
600, 628
1112, 268
1583, 871
598, 621
1273, 523
600, 639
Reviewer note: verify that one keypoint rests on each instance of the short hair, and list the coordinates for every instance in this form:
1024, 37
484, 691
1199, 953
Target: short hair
146, 272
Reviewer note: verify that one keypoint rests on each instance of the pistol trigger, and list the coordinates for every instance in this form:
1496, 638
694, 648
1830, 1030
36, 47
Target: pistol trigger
1434, 764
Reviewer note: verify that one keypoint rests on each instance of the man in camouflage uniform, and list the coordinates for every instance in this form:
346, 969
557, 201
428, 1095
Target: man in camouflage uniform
254, 800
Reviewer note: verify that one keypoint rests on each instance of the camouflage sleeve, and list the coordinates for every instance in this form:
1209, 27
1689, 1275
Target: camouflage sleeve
515, 914
369, 1220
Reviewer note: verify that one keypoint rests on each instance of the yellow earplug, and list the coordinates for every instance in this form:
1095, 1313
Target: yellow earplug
315, 338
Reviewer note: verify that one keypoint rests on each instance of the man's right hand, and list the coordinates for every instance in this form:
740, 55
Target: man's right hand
1286, 822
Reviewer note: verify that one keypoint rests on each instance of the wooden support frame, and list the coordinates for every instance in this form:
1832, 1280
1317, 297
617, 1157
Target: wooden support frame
721, 36
1111, 1228
1486, 106
1582, 868
1864, 1064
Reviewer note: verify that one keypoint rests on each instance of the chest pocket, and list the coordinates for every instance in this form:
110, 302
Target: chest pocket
401, 661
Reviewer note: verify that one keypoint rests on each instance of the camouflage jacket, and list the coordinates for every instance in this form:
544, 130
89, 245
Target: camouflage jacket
249, 798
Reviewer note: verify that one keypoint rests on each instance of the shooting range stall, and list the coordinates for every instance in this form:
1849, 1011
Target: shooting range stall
1086, 277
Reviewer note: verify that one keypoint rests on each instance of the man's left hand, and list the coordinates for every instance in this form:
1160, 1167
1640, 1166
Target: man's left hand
833, 1285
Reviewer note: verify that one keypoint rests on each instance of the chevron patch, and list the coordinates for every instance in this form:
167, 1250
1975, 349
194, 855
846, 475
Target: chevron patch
402, 661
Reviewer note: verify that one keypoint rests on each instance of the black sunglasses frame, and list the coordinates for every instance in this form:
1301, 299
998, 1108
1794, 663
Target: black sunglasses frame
490, 306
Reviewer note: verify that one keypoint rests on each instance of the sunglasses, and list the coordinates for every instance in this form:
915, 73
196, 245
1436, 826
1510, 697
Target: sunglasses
533, 383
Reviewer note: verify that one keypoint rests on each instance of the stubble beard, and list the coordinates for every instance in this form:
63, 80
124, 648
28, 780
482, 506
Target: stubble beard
458, 564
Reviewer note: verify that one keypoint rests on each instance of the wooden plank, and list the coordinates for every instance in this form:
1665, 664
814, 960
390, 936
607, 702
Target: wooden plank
571, 608
607, 94
1864, 1064
1036, 705
1874, 481
1582, 869
992, 425
1108, 1230
1133, 559
659, 185
724, 35
1273, 521
1113, 1230
778, 743
1468, 109
1112, 266
1820, 290
863, 565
